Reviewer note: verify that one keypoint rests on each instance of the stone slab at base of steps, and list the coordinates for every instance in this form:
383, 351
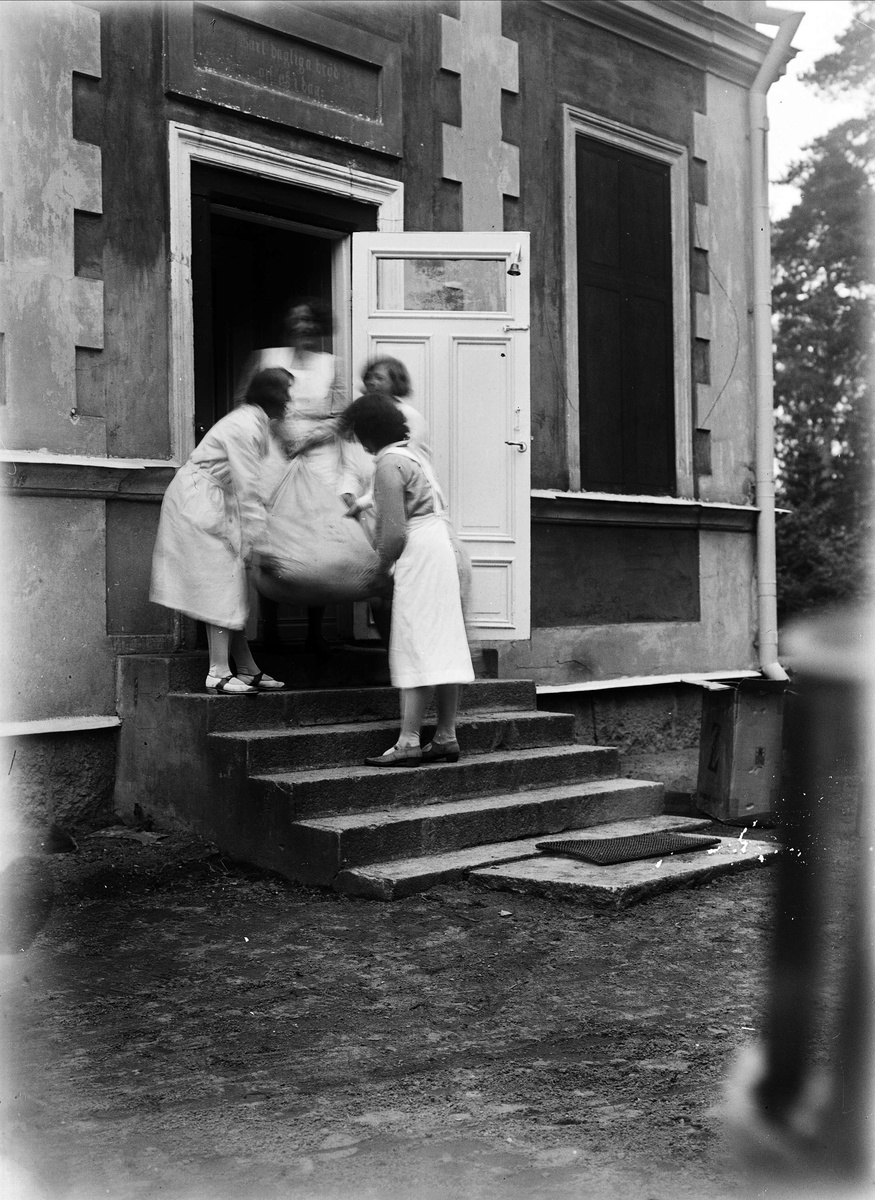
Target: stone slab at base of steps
328, 845
404, 877
622, 884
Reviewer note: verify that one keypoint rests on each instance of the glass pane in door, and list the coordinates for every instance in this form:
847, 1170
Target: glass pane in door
442, 284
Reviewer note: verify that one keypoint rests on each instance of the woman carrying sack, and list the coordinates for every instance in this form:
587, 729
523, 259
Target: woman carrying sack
428, 647
212, 518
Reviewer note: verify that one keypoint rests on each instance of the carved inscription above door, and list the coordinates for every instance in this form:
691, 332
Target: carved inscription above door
297, 68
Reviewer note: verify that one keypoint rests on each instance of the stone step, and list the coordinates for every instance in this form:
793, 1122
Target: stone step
297, 668
364, 665
329, 845
355, 788
258, 751
625, 883
402, 877
338, 706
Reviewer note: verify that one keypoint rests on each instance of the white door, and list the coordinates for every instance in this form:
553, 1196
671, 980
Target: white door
454, 308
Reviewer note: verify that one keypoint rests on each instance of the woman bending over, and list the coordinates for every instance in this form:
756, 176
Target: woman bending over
211, 519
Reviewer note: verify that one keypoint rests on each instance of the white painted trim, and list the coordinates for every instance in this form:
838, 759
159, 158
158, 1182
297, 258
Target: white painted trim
57, 725
577, 121
627, 498
188, 144
341, 290
83, 460
630, 681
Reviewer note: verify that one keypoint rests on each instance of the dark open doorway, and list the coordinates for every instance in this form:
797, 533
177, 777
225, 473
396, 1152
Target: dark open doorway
257, 270
257, 245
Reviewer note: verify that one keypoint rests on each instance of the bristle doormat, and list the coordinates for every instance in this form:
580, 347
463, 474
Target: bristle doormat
605, 852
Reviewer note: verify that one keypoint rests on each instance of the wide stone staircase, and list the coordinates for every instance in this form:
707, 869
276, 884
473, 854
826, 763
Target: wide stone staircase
278, 779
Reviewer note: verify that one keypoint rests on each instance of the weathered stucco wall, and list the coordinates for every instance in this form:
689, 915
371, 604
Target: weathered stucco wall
585, 574
723, 640
56, 657
649, 719
726, 403
122, 113
61, 778
47, 313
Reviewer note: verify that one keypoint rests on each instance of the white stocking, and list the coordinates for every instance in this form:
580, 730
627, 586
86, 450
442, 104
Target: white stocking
244, 663
218, 641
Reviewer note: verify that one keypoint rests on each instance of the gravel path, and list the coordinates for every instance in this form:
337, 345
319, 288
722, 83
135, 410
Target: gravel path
185, 1028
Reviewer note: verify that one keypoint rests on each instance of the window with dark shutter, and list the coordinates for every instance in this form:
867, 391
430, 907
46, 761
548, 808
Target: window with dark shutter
627, 435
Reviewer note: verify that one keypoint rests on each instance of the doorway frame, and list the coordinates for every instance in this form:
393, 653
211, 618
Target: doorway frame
188, 144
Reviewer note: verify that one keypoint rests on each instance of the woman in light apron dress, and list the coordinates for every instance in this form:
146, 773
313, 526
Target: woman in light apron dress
428, 647
211, 518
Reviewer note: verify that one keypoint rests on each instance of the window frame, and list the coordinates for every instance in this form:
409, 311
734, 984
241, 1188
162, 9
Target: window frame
576, 122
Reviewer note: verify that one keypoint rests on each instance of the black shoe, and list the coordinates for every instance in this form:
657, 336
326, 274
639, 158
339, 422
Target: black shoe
441, 752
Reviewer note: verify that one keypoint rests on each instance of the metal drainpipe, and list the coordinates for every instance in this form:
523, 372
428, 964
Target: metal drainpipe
767, 588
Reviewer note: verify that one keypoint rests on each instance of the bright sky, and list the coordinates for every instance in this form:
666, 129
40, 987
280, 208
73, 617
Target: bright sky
797, 113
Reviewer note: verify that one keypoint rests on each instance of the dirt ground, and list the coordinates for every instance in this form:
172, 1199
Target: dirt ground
183, 1027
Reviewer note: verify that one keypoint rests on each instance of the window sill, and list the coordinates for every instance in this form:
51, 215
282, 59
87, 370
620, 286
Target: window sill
608, 508
75, 477
57, 725
711, 681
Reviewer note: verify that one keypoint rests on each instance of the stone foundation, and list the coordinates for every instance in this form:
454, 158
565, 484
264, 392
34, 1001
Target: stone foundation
65, 778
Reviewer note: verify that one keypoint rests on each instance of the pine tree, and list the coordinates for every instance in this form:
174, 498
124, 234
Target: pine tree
824, 303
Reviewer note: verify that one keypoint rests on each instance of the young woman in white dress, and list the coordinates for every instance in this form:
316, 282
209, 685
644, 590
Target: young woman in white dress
390, 377
211, 518
428, 647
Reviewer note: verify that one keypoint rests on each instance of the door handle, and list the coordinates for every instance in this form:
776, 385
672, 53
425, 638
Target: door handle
509, 328
521, 446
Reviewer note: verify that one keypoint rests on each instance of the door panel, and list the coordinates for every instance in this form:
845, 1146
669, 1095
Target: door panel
446, 306
482, 496
492, 604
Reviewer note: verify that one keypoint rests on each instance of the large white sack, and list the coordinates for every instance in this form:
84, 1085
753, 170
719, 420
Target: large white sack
316, 554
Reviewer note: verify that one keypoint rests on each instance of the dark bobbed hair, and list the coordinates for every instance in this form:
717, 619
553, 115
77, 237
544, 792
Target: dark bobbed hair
376, 419
321, 311
401, 385
269, 388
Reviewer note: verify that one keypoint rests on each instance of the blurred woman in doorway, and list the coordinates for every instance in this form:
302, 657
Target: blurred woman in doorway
310, 428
